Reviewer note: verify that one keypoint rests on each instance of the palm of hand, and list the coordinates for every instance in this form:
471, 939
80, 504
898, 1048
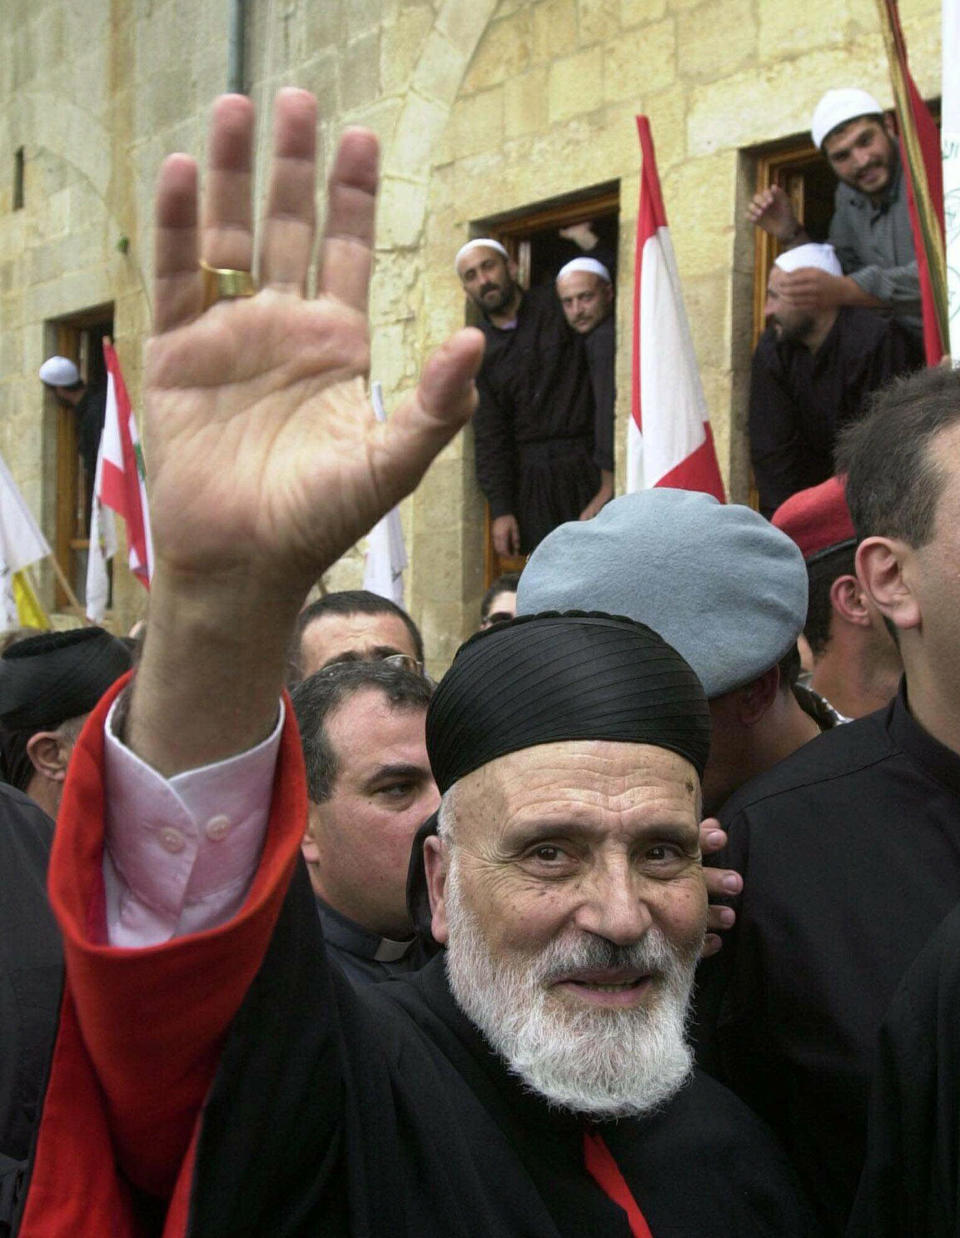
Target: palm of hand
264, 456
261, 440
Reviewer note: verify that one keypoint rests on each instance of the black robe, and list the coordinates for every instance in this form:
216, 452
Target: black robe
535, 426
850, 855
800, 401
31, 975
432, 1138
911, 1182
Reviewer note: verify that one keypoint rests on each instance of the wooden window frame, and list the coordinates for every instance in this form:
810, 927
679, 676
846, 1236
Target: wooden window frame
774, 169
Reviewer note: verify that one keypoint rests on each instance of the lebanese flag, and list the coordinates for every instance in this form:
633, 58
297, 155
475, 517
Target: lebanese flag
668, 437
120, 486
921, 160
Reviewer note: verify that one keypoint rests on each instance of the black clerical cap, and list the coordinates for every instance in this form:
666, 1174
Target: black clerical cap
48, 678
541, 679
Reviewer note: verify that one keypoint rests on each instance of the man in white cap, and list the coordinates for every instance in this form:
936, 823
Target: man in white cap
870, 228
812, 372
585, 290
61, 375
535, 428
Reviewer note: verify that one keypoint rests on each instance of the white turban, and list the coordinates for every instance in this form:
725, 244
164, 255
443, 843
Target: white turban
584, 264
484, 242
59, 372
824, 257
837, 107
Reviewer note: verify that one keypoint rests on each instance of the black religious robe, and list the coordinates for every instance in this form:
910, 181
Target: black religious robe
850, 855
910, 1186
535, 431
800, 401
31, 973
237, 1083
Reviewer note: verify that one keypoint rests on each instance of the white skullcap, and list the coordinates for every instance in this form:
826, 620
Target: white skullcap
59, 372
837, 107
479, 242
584, 264
822, 256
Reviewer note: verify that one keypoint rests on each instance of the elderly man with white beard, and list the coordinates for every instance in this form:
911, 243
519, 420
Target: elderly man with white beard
213, 1075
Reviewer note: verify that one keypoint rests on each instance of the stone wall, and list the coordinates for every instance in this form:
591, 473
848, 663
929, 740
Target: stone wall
482, 109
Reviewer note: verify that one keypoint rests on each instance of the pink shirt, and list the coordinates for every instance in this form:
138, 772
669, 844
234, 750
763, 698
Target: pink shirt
180, 853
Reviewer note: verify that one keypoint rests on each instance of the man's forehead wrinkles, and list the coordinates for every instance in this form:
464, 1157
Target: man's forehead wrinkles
626, 797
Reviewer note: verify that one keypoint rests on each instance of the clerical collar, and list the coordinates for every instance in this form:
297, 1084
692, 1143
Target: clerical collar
348, 935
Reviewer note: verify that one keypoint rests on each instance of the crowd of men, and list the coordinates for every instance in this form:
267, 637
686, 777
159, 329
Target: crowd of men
383, 957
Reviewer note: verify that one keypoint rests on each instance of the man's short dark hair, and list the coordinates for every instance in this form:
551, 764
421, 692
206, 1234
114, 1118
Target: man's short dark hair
507, 583
326, 690
894, 480
821, 574
347, 602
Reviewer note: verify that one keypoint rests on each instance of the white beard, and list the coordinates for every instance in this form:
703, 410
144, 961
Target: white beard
611, 1062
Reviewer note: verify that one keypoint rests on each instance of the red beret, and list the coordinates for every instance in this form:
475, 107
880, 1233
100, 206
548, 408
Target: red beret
817, 519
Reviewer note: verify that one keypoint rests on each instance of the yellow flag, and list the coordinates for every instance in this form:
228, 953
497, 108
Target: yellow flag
29, 611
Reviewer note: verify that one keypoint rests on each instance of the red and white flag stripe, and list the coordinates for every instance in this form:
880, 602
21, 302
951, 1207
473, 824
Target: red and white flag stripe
668, 437
120, 487
123, 483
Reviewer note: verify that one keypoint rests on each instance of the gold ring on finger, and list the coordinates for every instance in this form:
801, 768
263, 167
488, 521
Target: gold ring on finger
225, 284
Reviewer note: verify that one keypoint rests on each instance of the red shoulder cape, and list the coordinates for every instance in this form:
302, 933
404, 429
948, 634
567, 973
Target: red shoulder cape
140, 1031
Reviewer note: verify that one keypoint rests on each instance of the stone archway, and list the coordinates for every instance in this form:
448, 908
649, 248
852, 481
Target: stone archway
447, 52
444, 577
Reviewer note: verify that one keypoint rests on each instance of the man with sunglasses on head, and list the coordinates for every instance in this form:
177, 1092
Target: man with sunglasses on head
353, 625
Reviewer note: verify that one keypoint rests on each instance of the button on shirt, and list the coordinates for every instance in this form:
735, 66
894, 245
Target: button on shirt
187, 862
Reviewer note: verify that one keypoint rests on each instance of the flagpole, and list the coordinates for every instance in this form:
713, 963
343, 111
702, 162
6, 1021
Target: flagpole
65, 586
929, 225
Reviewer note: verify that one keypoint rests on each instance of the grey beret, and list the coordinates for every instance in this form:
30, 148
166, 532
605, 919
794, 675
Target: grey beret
717, 581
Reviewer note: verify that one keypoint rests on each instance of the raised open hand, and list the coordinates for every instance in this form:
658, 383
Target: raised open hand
266, 461
770, 210
264, 454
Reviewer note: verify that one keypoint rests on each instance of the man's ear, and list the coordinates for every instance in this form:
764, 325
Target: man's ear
756, 697
435, 857
49, 754
890, 125
848, 599
880, 564
311, 853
